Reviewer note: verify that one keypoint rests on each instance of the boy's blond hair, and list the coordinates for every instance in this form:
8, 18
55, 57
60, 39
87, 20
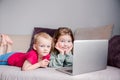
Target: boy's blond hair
41, 34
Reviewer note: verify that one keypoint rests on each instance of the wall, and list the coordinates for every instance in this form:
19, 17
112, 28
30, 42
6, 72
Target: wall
21, 16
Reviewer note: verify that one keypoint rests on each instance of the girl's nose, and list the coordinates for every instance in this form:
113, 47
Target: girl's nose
66, 43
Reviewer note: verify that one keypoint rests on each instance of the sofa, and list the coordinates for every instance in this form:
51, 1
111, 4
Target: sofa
23, 43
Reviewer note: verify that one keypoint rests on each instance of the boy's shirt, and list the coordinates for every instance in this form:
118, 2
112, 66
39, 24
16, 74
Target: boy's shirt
18, 58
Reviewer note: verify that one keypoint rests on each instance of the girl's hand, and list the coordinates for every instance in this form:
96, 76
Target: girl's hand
59, 49
69, 49
44, 63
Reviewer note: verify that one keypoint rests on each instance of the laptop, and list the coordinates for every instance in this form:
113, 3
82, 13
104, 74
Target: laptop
88, 56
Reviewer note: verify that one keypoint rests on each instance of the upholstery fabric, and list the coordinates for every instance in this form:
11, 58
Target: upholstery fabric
101, 32
114, 51
15, 73
20, 42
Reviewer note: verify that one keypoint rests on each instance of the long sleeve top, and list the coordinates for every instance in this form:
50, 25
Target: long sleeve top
60, 60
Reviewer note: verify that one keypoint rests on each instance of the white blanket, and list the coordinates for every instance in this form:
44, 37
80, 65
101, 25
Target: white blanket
15, 73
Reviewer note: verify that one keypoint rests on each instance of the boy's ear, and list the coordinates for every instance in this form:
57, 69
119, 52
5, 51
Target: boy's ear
34, 46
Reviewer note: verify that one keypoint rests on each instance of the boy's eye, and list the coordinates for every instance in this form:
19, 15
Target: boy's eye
48, 46
41, 45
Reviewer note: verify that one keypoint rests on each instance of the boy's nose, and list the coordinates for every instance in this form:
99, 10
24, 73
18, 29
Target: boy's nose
46, 48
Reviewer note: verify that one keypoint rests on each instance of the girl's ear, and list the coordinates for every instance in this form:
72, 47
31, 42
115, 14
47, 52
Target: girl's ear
34, 46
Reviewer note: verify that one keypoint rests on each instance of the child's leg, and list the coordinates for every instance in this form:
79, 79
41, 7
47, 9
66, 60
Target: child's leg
5, 44
2, 39
4, 58
8, 40
2, 44
1, 50
9, 48
9, 43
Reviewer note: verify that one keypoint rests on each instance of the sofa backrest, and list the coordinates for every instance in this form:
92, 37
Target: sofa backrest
20, 42
101, 32
23, 42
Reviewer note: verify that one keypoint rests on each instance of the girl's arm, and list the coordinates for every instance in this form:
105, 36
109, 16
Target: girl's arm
68, 59
56, 60
28, 66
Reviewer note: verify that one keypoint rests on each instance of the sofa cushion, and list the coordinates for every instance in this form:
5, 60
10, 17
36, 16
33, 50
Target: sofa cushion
40, 29
101, 32
114, 51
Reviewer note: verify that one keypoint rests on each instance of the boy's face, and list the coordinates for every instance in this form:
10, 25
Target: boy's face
43, 46
65, 42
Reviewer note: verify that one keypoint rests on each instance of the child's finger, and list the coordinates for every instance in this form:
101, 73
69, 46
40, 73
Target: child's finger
46, 60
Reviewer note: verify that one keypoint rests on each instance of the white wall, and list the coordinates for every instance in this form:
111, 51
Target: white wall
21, 16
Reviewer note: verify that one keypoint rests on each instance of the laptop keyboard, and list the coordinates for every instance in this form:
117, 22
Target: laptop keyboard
69, 71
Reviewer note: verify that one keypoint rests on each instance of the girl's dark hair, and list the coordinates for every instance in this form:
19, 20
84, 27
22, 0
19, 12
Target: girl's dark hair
62, 31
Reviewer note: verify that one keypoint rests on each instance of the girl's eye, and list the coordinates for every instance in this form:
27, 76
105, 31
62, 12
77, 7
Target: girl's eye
69, 41
62, 40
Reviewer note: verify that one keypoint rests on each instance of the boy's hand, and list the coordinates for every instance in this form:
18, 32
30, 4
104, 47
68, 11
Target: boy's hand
44, 63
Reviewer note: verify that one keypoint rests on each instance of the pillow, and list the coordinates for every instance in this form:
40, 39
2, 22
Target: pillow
102, 32
36, 30
114, 51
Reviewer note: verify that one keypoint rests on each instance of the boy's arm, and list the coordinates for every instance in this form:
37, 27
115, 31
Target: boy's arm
28, 66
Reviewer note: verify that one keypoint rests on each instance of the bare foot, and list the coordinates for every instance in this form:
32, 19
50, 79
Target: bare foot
5, 44
8, 40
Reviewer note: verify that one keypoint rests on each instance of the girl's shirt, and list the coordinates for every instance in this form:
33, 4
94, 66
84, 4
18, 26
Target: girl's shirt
18, 58
60, 60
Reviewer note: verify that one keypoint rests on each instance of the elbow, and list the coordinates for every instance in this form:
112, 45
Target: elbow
23, 69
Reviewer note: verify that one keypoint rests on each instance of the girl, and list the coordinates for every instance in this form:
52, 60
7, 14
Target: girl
61, 55
35, 58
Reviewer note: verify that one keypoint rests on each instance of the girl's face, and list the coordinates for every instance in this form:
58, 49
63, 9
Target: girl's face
64, 42
43, 47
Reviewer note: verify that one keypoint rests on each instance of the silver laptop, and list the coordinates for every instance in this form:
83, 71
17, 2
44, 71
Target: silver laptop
88, 56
